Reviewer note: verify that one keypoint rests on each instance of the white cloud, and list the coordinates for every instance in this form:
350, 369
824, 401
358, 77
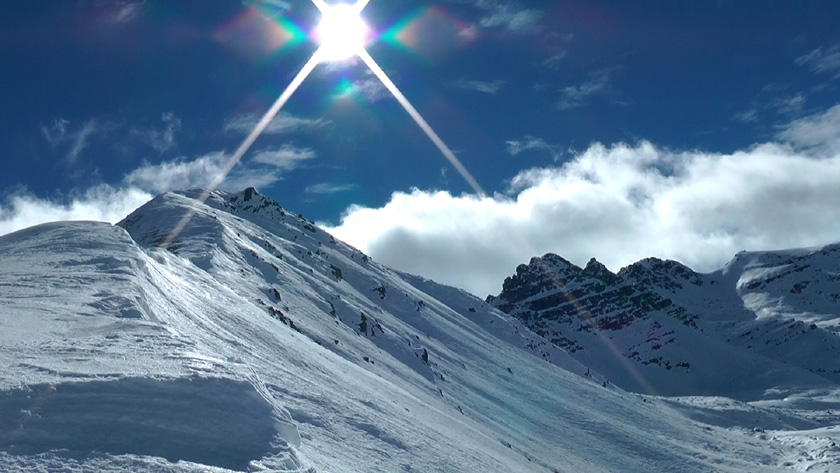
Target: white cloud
820, 60
791, 105
618, 204
286, 157
326, 188
530, 143
370, 88
746, 116
124, 12
61, 134
113, 13
487, 87
209, 171
21, 209
282, 123
508, 15
555, 60
274, 4
600, 82
817, 134
102, 203
161, 139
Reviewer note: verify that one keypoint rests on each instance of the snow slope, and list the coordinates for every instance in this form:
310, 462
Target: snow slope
251, 340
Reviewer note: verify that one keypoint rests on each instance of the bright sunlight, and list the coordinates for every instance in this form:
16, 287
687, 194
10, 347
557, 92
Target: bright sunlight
341, 33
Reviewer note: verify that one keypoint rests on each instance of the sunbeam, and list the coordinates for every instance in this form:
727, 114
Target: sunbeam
421, 122
250, 139
342, 35
360, 5
321, 5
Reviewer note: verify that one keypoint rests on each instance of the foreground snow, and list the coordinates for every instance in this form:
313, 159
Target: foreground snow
255, 341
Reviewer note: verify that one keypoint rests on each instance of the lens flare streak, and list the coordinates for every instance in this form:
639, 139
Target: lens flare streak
321, 55
321, 5
249, 141
360, 5
271, 113
421, 122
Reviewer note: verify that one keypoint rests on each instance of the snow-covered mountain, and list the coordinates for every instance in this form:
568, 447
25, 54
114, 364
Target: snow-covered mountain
232, 334
768, 319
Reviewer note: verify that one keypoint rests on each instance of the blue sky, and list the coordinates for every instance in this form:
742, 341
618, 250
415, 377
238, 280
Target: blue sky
605, 129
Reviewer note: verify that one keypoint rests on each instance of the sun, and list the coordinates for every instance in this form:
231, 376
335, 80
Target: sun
342, 33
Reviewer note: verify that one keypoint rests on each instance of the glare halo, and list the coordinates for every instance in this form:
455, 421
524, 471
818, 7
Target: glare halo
342, 33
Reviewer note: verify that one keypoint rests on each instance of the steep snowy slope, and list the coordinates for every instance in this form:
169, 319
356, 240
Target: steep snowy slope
252, 340
765, 321
801, 285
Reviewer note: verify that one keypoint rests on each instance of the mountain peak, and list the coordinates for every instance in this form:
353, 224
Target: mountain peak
596, 269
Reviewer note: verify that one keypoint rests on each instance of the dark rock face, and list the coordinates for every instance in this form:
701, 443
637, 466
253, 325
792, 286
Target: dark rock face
567, 304
662, 316
552, 290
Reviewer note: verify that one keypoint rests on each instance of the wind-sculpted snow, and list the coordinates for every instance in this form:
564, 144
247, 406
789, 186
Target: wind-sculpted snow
213, 421
244, 337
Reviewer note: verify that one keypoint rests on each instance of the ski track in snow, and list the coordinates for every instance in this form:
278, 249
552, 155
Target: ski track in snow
256, 342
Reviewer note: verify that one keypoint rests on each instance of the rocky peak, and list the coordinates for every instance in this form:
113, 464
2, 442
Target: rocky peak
662, 274
595, 269
538, 276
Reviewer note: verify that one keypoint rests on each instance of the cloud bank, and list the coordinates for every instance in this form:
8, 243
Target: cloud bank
618, 203
20, 209
101, 203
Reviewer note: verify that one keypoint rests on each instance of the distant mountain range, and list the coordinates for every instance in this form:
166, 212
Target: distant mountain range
767, 319
215, 329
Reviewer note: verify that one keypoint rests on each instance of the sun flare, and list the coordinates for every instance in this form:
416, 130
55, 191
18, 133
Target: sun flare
342, 33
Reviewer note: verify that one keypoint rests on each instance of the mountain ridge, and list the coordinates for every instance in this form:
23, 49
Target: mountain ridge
753, 309
152, 331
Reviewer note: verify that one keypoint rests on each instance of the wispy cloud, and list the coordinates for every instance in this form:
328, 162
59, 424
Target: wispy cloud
509, 15
772, 103
273, 4
282, 123
555, 60
126, 11
618, 203
113, 12
370, 88
791, 105
599, 83
325, 188
204, 171
20, 209
530, 143
817, 134
286, 157
486, 87
746, 116
822, 60
62, 134
162, 139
